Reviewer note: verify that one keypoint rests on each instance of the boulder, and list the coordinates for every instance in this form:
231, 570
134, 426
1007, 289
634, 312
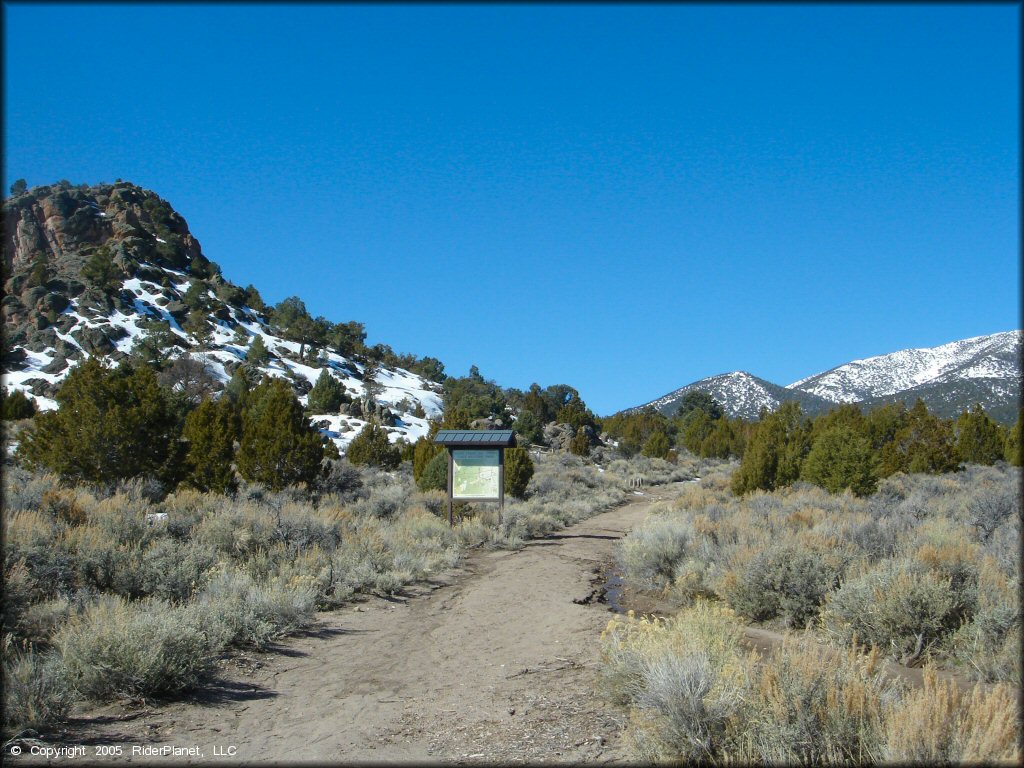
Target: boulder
177, 310
93, 340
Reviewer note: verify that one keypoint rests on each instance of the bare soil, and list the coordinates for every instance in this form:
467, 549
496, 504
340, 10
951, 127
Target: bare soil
493, 663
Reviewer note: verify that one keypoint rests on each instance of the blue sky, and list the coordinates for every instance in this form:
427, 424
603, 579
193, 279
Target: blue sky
624, 199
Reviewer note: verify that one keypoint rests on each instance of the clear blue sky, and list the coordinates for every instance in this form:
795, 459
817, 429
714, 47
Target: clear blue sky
624, 199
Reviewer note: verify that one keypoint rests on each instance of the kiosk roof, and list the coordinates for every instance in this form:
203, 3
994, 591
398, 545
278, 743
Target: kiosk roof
491, 438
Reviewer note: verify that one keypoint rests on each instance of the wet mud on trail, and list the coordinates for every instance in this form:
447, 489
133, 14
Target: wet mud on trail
494, 662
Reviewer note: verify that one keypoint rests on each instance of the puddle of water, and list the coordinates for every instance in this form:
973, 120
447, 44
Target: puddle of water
613, 591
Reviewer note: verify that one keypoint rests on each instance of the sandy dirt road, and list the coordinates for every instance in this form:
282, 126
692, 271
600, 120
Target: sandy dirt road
493, 663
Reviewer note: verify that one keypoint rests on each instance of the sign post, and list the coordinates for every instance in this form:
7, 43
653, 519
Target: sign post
476, 465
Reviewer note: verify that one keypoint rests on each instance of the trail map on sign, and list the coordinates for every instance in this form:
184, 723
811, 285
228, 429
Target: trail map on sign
475, 474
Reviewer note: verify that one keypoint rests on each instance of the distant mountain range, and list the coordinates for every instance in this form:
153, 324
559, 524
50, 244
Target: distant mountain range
949, 378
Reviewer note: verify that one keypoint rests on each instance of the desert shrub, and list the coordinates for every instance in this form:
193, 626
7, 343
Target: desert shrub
252, 614
384, 503
46, 568
812, 705
174, 571
694, 695
119, 649
40, 621
652, 552
940, 724
988, 645
36, 693
901, 607
782, 581
341, 479
23, 490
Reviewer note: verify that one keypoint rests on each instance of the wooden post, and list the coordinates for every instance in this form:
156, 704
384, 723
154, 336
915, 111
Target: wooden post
451, 472
501, 485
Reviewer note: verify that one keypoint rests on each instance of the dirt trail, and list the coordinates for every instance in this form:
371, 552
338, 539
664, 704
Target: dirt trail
495, 663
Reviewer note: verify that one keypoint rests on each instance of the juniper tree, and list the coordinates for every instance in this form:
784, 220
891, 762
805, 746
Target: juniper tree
435, 474
839, 459
580, 444
16, 405
211, 430
1012, 450
100, 272
528, 427
371, 446
327, 394
257, 354
979, 440
423, 453
279, 447
925, 443
776, 450
111, 424
657, 446
518, 471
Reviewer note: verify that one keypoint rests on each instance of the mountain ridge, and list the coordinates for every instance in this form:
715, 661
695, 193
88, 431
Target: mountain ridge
949, 378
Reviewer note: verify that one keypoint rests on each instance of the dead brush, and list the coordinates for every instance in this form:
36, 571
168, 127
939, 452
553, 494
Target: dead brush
940, 724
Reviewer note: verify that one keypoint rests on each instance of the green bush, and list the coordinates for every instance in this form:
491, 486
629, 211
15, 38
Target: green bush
518, 471
435, 474
16, 405
112, 424
841, 459
279, 447
327, 394
372, 446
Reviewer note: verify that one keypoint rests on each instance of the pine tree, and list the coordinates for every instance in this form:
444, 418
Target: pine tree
327, 394
279, 447
518, 471
19, 187
111, 425
211, 430
840, 458
580, 444
979, 440
371, 446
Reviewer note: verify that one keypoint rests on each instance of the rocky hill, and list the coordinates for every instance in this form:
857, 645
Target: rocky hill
113, 271
949, 378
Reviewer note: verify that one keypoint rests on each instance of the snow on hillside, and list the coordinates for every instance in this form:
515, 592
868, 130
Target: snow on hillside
990, 357
740, 393
398, 390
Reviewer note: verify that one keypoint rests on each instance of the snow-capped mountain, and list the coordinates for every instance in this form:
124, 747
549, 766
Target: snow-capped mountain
949, 378
55, 316
741, 394
985, 369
